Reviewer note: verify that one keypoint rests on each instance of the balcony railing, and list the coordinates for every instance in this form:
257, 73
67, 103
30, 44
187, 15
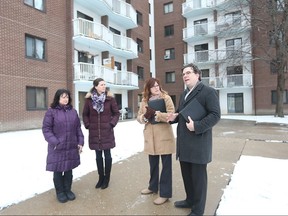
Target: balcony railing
89, 72
98, 31
192, 7
229, 81
199, 30
219, 55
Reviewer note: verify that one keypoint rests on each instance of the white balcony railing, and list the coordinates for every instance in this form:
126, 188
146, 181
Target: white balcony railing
98, 31
219, 55
229, 81
89, 72
199, 30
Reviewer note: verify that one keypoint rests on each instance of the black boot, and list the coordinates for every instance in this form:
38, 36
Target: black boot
100, 169
68, 179
108, 166
59, 187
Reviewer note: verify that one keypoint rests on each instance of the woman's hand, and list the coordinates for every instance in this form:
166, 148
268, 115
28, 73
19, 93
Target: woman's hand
171, 116
80, 148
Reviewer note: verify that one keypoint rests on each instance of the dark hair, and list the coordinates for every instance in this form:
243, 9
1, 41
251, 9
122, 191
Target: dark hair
57, 95
96, 83
148, 85
196, 70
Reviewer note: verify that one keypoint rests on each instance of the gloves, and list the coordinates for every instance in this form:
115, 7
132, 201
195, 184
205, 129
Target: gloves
149, 113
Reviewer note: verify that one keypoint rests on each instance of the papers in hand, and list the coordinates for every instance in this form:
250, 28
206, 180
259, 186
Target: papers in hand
157, 105
193, 109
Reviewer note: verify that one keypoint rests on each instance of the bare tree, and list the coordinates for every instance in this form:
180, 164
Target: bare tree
269, 18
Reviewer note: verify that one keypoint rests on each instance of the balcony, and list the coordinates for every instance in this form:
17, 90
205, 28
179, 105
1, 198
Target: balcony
192, 8
229, 81
95, 36
88, 72
226, 28
118, 11
199, 32
231, 53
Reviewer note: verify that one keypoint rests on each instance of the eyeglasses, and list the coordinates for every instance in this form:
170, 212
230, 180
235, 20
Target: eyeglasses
156, 86
187, 73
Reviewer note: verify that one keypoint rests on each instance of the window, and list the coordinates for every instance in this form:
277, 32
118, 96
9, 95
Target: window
35, 47
139, 18
36, 98
274, 97
235, 102
201, 52
235, 76
38, 4
140, 45
201, 27
140, 72
169, 54
170, 77
205, 78
234, 48
169, 30
168, 7
233, 18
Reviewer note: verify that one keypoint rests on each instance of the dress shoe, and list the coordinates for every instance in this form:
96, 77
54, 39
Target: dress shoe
146, 191
182, 204
160, 200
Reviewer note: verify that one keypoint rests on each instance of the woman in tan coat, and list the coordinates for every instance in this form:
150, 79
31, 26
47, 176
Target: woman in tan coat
159, 139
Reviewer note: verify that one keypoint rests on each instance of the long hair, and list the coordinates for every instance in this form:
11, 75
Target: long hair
148, 85
196, 70
57, 95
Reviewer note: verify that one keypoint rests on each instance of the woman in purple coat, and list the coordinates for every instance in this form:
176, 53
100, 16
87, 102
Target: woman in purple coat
62, 130
100, 116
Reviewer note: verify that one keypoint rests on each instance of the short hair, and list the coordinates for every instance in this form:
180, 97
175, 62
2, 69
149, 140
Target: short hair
196, 70
57, 95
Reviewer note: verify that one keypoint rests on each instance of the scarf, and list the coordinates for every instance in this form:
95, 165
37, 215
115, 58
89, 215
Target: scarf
98, 101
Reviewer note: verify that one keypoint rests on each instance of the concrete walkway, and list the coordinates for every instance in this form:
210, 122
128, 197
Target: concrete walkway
232, 138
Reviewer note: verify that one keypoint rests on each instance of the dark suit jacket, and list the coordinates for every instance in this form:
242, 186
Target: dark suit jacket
196, 146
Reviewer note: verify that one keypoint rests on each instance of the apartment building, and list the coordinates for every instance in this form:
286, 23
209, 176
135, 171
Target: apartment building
36, 50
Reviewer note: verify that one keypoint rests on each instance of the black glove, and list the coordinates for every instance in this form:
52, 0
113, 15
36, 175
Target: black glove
149, 113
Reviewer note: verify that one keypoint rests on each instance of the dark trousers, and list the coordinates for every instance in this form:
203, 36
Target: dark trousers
165, 183
107, 154
195, 183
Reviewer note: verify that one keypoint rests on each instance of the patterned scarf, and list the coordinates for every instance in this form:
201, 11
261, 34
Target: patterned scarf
98, 101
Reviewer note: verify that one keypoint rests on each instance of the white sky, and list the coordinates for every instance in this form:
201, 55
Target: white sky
23, 156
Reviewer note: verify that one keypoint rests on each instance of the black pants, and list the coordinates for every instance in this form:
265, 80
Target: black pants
165, 183
107, 154
195, 183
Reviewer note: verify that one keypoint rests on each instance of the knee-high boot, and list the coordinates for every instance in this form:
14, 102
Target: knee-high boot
68, 179
100, 169
59, 187
108, 166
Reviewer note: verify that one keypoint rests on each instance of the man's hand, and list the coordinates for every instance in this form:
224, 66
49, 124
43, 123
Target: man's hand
190, 124
171, 116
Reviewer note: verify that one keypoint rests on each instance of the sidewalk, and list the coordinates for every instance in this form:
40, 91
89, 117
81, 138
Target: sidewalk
232, 138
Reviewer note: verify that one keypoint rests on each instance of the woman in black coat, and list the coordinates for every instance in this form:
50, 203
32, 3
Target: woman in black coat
194, 137
100, 116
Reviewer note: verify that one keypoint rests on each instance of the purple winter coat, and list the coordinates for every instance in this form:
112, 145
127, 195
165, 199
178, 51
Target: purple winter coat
100, 126
62, 130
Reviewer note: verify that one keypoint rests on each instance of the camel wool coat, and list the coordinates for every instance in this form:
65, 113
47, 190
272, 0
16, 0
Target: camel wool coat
158, 138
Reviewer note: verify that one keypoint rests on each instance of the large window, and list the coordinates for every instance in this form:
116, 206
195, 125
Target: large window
38, 4
169, 30
140, 72
235, 76
35, 47
234, 48
168, 7
140, 45
170, 77
169, 54
235, 102
36, 98
233, 18
139, 18
274, 97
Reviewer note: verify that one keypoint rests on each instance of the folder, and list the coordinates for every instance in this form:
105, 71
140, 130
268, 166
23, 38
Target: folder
157, 105
193, 109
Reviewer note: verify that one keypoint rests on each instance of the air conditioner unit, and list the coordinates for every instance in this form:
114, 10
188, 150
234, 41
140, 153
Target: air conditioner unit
166, 57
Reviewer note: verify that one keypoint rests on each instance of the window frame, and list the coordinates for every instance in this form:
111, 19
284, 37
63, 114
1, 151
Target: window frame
170, 77
36, 96
34, 47
168, 30
168, 7
274, 97
32, 3
140, 72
